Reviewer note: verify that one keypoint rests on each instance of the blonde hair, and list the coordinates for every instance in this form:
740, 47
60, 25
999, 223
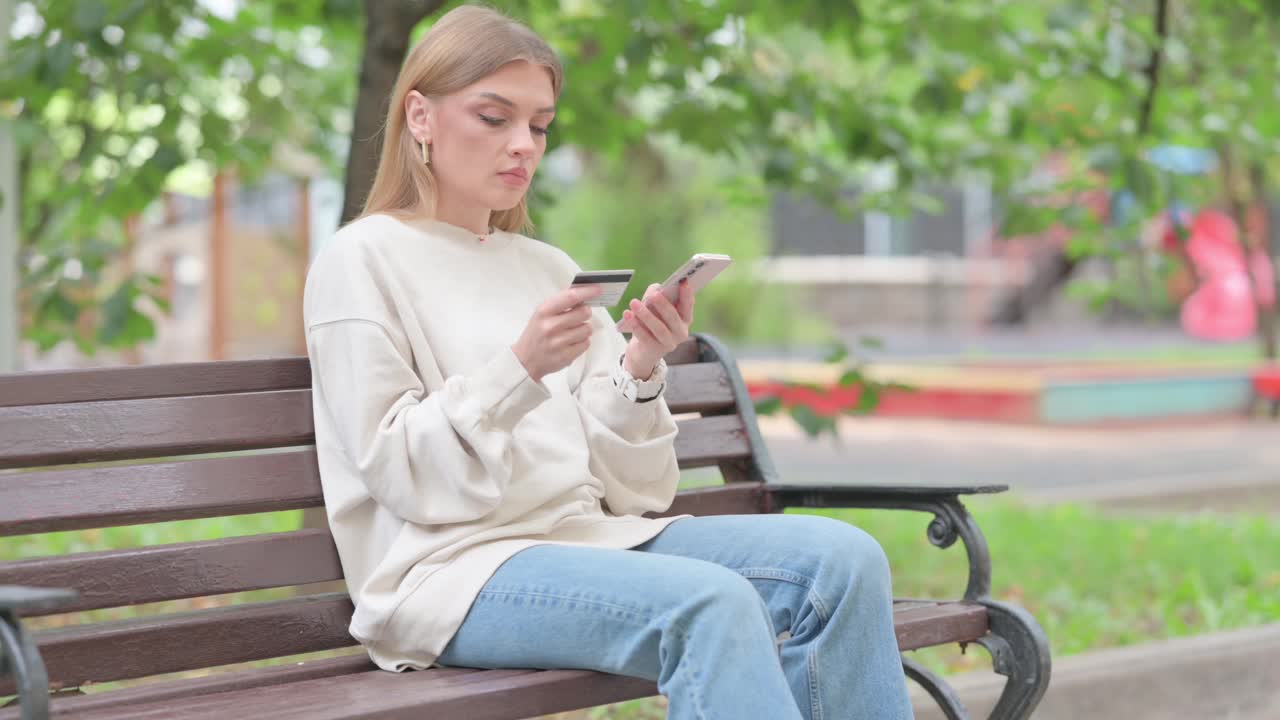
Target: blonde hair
465, 45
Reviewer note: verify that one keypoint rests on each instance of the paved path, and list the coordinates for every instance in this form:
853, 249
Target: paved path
1236, 460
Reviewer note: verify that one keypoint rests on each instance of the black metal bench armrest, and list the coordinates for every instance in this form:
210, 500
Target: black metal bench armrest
18, 653
950, 518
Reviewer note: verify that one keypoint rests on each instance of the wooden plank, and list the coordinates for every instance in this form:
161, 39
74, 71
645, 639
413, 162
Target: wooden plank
69, 432
122, 429
699, 387
179, 690
78, 498
735, 499
167, 572
186, 641
184, 379
153, 381
685, 352
486, 695
942, 624
709, 440
904, 604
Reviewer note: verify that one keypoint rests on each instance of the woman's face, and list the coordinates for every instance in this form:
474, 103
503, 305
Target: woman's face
487, 139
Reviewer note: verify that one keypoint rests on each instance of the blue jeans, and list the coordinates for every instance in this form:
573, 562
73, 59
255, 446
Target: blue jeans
700, 609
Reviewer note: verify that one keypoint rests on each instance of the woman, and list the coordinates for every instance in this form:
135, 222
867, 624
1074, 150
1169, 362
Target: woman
484, 472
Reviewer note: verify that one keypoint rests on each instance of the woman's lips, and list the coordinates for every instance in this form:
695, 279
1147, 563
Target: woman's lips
514, 178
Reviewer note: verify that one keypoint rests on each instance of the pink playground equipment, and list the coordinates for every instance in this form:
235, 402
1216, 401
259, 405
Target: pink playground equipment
1222, 305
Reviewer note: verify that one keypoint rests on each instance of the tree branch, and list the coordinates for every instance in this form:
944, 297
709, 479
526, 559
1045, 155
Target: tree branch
1152, 70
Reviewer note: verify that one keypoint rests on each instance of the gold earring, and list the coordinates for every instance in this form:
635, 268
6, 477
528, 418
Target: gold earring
426, 154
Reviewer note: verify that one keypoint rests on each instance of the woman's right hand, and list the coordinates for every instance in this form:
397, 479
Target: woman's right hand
558, 332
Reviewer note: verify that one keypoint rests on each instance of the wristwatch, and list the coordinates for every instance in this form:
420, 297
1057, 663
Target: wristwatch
640, 390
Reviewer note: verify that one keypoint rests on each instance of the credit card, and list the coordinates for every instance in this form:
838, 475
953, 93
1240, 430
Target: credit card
614, 282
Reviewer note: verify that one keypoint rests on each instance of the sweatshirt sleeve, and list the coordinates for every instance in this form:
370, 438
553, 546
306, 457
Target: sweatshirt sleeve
631, 444
438, 457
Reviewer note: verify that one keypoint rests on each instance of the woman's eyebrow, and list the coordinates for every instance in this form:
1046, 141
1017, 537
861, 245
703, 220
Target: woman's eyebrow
499, 99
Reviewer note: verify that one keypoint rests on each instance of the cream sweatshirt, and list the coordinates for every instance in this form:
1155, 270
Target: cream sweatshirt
439, 456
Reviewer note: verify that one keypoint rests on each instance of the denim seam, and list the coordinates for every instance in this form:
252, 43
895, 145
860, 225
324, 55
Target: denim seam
815, 707
787, 576
646, 613
775, 574
694, 697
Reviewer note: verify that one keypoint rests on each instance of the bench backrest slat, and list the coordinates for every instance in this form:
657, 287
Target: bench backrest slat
127, 429
154, 381
65, 433
92, 497
186, 641
80, 498
711, 440
169, 572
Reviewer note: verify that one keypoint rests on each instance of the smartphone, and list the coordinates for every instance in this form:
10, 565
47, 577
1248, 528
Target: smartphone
699, 269
614, 281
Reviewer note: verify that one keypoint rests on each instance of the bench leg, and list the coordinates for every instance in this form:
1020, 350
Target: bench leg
1019, 651
939, 690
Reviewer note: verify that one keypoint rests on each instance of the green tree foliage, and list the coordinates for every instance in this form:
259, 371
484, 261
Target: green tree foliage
113, 97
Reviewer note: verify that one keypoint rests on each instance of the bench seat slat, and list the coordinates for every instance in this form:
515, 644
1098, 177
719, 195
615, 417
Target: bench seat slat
378, 694
945, 623
477, 695
181, 689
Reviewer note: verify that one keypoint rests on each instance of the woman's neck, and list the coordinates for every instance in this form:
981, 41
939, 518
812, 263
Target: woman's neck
473, 218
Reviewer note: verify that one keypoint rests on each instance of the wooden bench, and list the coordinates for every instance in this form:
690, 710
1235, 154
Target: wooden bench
121, 446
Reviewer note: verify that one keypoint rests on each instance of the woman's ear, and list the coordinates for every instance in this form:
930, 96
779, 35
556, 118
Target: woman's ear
417, 116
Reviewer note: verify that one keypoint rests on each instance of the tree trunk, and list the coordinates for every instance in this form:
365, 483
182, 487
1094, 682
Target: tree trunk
1242, 190
388, 25
1013, 308
9, 224
1266, 243
1049, 272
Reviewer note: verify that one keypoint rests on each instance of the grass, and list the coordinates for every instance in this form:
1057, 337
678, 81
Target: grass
1093, 579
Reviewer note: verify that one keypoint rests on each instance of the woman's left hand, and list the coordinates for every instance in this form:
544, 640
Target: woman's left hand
657, 327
